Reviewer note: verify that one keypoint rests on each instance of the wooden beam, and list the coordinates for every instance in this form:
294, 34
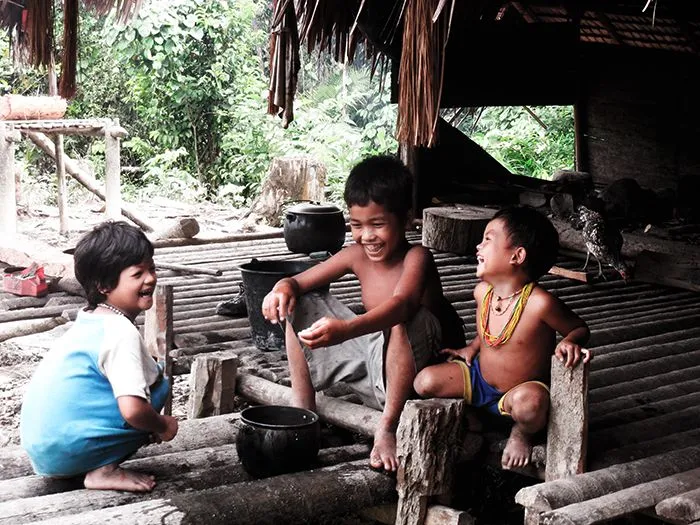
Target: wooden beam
683, 508
8, 189
576, 275
525, 12
623, 502
559, 493
425, 462
158, 333
609, 27
669, 270
113, 194
62, 197
567, 430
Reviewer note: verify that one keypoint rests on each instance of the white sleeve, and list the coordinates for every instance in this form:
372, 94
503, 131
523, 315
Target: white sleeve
122, 361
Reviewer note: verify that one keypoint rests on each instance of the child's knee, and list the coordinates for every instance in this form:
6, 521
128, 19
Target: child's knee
426, 383
529, 403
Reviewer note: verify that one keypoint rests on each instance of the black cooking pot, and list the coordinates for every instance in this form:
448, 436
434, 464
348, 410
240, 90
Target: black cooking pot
313, 227
276, 439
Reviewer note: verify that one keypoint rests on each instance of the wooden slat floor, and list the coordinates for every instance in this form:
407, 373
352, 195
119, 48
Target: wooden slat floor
645, 378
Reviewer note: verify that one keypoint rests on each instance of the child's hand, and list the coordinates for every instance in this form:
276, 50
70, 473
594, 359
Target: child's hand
570, 353
327, 331
279, 303
170, 429
467, 353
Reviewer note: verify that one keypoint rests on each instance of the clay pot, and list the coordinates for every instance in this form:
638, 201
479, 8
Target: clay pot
277, 439
313, 227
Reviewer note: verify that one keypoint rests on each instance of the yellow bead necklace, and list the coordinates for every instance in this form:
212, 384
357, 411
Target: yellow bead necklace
509, 327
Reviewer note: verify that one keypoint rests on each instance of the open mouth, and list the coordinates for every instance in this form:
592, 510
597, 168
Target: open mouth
373, 249
146, 293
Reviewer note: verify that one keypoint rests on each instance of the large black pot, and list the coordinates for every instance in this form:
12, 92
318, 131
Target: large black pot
258, 279
311, 227
277, 439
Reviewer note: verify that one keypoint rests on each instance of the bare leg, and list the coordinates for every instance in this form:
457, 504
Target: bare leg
400, 372
113, 477
528, 405
443, 380
303, 393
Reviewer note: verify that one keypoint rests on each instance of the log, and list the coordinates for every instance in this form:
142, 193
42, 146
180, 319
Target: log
567, 429
21, 107
192, 434
569, 274
455, 230
184, 472
559, 493
436, 515
623, 502
182, 228
669, 270
291, 498
188, 269
426, 462
46, 145
292, 178
357, 418
684, 507
28, 327
199, 241
212, 386
158, 333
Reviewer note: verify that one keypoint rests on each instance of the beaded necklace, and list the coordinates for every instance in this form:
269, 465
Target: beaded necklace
116, 310
509, 327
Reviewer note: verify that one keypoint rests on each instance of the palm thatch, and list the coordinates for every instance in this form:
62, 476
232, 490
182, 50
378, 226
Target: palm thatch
30, 24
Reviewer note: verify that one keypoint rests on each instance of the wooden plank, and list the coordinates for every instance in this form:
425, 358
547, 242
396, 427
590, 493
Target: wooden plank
158, 333
425, 462
623, 502
567, 430
212, 386
683, 507
576, 275
669, 270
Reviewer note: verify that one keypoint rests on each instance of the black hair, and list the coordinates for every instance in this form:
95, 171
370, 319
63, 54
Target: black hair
533, 231
383, 179
103, 253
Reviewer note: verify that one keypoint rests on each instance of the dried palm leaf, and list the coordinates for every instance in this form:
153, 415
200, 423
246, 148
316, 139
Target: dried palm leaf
124, 9
37, 26
422, 69
284, 61
69, 65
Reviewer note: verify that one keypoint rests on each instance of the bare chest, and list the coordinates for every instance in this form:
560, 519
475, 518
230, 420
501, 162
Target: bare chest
378, 284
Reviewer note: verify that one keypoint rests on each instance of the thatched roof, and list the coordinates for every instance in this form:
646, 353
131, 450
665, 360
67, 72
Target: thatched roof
30, 24
416, 34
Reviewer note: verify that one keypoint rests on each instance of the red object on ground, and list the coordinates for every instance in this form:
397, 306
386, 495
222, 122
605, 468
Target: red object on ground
29, 281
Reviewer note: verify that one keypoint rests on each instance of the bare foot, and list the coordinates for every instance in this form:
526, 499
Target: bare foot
383, 453
518, 449
112, 477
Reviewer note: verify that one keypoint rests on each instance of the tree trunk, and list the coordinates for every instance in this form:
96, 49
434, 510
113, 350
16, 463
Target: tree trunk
20, 107
289, 179
455, 230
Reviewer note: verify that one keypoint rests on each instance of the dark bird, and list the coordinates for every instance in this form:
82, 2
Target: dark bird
603, 241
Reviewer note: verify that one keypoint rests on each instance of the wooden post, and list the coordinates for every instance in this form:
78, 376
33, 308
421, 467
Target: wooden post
158, 332
409, 156
567, 431
61, 185
8, 200
212, 386
113, 195
427, 438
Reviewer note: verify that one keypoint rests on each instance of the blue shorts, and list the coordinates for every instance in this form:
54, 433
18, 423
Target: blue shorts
478, 393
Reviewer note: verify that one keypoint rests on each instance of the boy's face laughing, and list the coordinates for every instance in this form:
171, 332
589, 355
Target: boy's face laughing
495, 253
134, 291
377, 230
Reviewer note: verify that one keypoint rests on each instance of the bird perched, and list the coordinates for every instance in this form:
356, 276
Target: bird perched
603, 241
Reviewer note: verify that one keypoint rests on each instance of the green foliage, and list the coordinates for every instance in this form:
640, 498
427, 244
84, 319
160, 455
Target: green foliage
521, 144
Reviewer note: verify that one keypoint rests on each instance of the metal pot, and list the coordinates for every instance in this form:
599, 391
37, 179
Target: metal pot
313, 227
277, 439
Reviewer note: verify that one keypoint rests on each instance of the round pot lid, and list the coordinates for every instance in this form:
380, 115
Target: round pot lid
313, 208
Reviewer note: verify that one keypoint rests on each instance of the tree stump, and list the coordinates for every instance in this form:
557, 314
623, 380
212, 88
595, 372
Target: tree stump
455, 230
427, 439
289, 179
212, 386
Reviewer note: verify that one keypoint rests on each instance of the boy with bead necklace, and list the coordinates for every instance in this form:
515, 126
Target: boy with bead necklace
506, 368
96, 397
